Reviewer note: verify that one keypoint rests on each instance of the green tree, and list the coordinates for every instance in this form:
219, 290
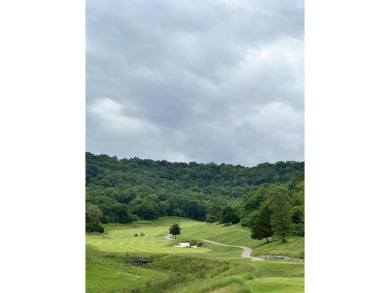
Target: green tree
280, 206
252, 202
93, 215
152, 189
298, 206
229, 215
175, 230
213, 213
146, 208
260, 224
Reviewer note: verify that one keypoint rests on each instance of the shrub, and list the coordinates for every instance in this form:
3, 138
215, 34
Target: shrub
99, 228
94, 227
298, 229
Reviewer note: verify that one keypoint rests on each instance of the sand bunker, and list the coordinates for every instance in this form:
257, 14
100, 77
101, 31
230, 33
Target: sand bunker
184, 244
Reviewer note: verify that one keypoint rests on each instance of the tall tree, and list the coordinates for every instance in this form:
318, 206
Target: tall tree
261, 224
93, 215
175, 230
298, 206
280, 206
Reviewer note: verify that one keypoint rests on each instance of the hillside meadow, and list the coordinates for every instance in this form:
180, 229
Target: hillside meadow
210, 268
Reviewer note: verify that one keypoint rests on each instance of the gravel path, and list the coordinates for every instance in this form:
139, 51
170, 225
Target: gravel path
168, 237
246, 253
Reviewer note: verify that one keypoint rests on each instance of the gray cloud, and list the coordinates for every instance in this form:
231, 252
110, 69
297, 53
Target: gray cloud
206, 81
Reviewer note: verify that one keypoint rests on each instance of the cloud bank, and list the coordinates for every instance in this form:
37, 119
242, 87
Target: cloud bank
206, 81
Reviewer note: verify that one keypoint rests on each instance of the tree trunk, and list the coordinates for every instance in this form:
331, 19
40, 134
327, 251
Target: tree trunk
266, 239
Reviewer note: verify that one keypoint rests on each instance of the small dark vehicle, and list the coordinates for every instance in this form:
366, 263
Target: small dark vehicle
136, 235
142, 234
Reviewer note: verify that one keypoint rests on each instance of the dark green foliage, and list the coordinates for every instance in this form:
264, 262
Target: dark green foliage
297, 191
146, 208
127, 189
94, 227
280, 206
175, 230
275, 208
214, 214
261, 224
92, 218
252, 202
229, 215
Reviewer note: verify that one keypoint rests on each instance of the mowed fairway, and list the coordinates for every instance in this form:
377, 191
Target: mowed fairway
117, 239
210, 268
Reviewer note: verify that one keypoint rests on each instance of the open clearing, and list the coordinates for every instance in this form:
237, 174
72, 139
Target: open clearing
211, 268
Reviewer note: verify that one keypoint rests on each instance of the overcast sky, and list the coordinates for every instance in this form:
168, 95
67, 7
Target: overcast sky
207, 81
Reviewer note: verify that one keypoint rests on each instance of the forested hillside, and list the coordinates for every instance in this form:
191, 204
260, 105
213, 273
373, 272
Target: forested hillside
278, 209
127, 189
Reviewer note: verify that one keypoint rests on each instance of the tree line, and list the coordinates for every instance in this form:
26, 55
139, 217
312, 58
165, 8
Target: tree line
270, 209
129, 189
276, 210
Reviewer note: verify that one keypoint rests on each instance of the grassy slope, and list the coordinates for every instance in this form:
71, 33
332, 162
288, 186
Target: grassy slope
208, 269
107, 272
293, 248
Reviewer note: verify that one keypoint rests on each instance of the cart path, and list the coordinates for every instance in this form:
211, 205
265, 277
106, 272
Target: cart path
168, 237
246, 253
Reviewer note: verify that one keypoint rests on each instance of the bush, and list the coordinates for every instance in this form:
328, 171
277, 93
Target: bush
298, 229
200, 243
193, 242
94, 227
99, 228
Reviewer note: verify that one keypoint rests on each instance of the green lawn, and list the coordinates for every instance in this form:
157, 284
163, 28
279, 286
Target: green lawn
119, 238
277, 285
211, 268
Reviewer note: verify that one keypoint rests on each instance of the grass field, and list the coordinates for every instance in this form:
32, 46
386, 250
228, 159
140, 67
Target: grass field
210, 268
119, 238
